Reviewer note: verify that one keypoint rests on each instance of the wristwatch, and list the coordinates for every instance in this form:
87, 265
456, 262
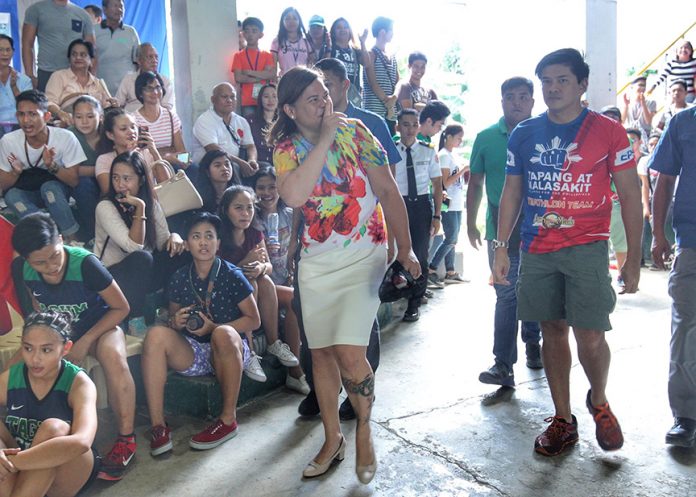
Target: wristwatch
500, 244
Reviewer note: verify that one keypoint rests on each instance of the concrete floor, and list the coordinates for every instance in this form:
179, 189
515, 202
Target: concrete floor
433, 435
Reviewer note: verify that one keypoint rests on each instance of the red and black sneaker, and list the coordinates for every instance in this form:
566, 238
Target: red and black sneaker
160, 440
115, 463
213, 435
557, 437
609, 435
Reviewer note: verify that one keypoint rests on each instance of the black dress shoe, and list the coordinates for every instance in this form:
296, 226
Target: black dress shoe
309, 405
683, 433
346, 412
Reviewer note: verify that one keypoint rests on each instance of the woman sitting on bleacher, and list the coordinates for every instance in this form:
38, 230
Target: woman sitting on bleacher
210, 305
120, 134
132, 238
46, 445
216, 174
243, 245
71, 279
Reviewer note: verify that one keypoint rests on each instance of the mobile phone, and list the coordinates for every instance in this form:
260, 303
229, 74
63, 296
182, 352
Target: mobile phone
142, 144
184, 157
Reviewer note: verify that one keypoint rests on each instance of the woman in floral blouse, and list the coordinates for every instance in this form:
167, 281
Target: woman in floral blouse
334, 170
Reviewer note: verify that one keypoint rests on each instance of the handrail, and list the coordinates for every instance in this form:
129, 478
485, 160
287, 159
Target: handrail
649, 64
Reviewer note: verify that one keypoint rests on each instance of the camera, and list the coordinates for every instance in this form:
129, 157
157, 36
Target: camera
195, 321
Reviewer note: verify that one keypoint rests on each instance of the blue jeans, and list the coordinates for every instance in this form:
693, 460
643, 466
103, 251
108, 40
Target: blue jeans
505, 322
86, 195
54, 195
451, 222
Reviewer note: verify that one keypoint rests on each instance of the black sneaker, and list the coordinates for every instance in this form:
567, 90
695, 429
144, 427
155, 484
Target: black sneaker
683, 433
534, 356
411, 315
498, 375
309, 406
346, 412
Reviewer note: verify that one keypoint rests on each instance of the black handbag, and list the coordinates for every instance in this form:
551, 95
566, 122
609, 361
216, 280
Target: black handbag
31, 179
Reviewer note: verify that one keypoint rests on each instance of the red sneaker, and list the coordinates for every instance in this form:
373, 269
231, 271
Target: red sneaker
115, 463
161, 440
609, 435
557, 437
214, 435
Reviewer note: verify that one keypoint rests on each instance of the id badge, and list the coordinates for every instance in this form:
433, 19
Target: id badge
255, 90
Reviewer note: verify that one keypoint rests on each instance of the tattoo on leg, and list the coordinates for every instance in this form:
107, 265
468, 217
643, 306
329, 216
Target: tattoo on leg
365, 388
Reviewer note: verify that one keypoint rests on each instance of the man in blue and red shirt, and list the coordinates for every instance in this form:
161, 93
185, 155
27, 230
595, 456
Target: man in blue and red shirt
560, 167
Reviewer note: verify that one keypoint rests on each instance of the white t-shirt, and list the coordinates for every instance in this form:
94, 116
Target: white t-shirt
455, 191
68, 150
211, 129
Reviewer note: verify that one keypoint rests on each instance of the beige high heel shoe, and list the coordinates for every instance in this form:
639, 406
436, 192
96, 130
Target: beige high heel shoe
367, 473
314, 468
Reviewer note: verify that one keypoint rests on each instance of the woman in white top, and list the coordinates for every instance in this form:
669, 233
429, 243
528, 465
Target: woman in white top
131, 234
162, 123
454, 178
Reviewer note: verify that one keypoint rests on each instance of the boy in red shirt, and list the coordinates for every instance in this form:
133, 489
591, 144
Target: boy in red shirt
252, 67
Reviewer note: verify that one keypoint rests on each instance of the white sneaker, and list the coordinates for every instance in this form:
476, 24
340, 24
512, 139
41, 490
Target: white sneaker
300, 384
282, 352
253, 369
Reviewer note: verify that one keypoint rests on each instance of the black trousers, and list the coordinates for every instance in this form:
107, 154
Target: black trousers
420, 218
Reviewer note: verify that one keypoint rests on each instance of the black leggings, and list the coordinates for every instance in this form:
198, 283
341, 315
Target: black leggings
142, 272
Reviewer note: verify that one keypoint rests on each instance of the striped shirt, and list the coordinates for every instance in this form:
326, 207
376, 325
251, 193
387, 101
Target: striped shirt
161, 129
387, 75
679, 70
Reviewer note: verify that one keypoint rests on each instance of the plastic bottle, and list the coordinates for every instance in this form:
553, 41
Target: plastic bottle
272, 232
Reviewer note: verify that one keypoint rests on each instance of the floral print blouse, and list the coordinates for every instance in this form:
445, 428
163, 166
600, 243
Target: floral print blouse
342, 211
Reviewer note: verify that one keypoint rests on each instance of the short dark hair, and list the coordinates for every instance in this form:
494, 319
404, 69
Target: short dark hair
635, 132
334, 66
568, 57
406, 112
640, 78
9, 39
414, 56
435, 110
34, 96
381, 23
87, 99
679, 82
290, 88
87, 44
253, 21
143, 80
34, 232
204, 217
96, 10
516, 82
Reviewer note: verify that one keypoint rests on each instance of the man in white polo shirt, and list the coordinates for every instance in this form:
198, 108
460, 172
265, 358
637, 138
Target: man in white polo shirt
219, 128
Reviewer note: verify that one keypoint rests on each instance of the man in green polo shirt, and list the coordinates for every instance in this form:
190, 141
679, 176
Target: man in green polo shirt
488, 159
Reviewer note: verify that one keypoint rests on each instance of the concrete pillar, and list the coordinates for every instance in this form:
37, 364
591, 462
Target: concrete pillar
205, 40
600, 46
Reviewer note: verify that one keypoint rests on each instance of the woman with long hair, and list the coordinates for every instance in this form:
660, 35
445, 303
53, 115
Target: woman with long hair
344, 49
291, 47
260, 121
334, 170
216, 174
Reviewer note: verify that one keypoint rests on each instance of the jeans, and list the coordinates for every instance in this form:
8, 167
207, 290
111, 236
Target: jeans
681, 386
505, 321
86, 195
451, 222
53, 195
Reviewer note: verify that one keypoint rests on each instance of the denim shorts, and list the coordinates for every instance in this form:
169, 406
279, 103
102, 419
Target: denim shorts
572, 283
202, 358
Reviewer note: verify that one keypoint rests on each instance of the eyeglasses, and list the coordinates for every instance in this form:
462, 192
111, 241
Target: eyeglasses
152, 89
